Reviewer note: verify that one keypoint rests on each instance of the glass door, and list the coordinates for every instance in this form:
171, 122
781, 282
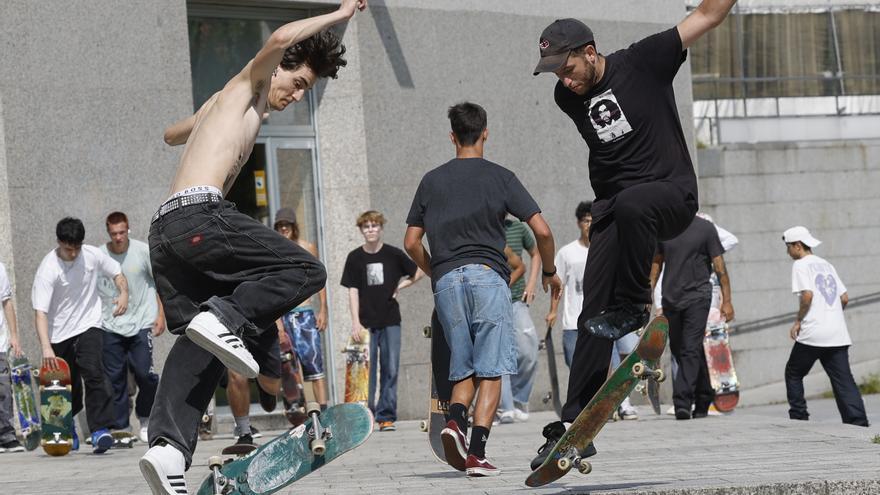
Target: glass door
294, 182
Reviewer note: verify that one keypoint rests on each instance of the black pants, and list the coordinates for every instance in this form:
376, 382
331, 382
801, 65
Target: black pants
622, 245
835, 360
687, 330
85, 356
210, 257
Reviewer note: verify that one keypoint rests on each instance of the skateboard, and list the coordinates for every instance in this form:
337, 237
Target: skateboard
56, 409
239, 449
641, 364
357, 369
553, 395
23, 392
291, 385
292, 455
441, 387
719, 360
206, 425
123, 439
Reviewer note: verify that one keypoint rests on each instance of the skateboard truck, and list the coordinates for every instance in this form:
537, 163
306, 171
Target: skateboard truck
572, 458
318, 434
643, 372
222, 484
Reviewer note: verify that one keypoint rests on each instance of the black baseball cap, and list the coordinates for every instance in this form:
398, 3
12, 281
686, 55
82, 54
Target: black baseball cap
558, 39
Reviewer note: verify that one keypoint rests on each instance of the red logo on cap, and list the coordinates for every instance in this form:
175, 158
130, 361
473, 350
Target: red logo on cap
544, 44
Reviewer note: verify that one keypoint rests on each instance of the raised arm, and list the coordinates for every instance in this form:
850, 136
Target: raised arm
708, 15
268, 58
178, 133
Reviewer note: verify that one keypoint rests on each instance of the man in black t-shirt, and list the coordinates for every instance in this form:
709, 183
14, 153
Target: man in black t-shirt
374, 274
688, 262
461, 206
623, 105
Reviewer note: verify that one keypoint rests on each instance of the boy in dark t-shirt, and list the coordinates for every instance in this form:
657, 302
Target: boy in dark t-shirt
461, 207
623, 105
374, 274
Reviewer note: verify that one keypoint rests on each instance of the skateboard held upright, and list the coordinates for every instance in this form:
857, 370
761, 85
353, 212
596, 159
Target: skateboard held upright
291, 385
56, 408
719, 361
357, 369
553, 395
641, 364
323, 437
441, 387
23, 393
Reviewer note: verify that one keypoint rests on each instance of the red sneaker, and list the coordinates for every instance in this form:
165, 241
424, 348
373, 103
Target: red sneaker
454, 445
474, 466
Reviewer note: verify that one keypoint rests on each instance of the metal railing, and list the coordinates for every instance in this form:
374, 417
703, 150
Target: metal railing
774, 321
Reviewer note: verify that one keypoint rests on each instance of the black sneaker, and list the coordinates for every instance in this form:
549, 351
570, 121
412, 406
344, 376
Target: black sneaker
245, 440
12, 446
552, 432
267, 401
682, 414
617, 321
255, 432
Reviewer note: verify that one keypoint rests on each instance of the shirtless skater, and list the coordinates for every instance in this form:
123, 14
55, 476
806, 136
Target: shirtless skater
641, 172
223, 277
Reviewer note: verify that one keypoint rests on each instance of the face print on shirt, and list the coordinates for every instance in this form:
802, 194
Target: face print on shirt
607, 117
375, 274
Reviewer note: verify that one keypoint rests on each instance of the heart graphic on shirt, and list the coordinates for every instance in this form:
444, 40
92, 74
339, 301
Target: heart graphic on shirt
827, 286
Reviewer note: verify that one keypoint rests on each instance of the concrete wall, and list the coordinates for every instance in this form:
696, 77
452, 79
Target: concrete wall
758, 191
86, 93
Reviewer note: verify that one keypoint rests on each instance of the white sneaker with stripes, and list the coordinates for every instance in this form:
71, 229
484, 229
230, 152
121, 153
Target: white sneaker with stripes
163, 467
206, 331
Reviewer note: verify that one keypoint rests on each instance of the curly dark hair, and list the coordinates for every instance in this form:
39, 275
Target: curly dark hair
322, 52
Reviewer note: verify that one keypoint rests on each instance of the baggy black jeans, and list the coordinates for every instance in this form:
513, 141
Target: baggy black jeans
211, 257
85, 356
835, 360
622, 245
687, 330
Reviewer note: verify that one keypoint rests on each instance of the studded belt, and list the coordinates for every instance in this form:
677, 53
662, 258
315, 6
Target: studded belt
188, 200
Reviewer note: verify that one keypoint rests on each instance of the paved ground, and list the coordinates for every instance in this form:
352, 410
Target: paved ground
753, 451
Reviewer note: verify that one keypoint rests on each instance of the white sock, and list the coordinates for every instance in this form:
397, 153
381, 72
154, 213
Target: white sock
243, 424
145, 422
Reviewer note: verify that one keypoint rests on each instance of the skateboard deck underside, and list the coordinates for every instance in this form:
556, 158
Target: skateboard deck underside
594, 416
292, 386
57, 420
722, 373
441, 388
554, 377
25, 400
288, 457
357, 372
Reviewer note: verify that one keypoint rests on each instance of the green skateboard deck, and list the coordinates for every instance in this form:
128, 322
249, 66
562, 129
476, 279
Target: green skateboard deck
56, 409
23, 392
293, 454
641, 364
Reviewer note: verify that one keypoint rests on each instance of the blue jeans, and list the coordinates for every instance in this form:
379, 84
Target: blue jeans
384, 344
623, 347
569, 338
516, 389
137, 352
473, 305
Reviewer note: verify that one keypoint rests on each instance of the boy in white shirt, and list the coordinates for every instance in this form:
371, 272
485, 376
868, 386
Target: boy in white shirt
820, 330
68, 320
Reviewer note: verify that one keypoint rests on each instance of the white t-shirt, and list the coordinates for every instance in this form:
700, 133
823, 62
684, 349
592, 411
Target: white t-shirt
570, 262
824, 325
67, 291
142, 305
5, 295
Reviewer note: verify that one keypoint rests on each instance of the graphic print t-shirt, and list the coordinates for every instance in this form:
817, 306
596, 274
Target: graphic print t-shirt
570, 262
376, 277
630, 122
824, 325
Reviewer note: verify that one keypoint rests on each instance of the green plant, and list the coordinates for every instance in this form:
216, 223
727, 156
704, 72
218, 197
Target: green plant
871, 385
876, 439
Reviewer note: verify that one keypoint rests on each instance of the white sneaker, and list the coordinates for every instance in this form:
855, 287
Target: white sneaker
520, 415
670, 411
163, 467
206, 331
143, 434
506, 417
627, 411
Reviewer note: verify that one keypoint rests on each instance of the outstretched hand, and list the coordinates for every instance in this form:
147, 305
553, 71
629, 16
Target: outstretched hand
349, 7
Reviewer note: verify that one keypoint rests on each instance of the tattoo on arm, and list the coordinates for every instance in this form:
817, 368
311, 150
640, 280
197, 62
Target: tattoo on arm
806, 300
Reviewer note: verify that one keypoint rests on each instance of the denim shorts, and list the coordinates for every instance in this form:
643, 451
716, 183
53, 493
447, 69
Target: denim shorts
473, 304
302, 329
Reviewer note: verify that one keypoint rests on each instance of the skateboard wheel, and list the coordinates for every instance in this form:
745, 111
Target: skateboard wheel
638, 369
423, 425
215, 461
660, 376
313, 407
564, 463
318, 447
585, 467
